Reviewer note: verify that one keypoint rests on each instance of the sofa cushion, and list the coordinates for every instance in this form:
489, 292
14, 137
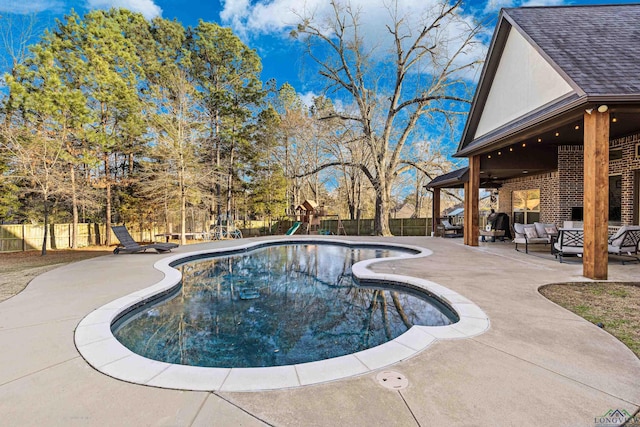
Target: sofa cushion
545, 230
519, 229
531, 232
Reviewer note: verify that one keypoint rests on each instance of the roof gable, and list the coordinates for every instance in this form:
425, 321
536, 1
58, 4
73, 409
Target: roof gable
595, 49
523, 82
596, 46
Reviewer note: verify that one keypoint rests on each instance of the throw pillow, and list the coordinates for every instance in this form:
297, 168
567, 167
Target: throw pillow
531, 232
551, 229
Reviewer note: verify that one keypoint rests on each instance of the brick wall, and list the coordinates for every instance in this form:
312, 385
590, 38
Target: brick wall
570, 180
564, 189
627, 167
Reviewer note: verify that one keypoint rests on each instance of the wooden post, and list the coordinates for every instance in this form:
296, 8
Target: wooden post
596, 194
435, 215
471, 203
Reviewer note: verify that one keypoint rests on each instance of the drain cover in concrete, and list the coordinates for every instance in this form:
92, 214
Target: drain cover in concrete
392, 380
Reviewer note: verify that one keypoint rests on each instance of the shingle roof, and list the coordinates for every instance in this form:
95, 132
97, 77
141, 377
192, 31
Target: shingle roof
595, 47
452, 179
598, 47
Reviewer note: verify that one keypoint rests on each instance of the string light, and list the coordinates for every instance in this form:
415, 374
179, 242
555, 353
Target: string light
524, 144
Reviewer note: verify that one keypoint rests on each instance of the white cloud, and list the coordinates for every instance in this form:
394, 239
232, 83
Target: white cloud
543, 3
146, 7
307, 98
25, 7
495, 5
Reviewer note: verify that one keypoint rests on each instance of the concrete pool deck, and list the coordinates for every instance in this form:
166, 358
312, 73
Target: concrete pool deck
538, 364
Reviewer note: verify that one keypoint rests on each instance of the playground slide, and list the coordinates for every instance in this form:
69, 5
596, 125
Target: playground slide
293, 228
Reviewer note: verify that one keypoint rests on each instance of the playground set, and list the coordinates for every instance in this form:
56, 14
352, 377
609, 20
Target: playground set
308, 218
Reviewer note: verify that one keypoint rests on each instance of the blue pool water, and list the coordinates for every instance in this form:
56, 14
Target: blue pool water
278, 305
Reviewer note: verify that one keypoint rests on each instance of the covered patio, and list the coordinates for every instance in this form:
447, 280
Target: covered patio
557, 111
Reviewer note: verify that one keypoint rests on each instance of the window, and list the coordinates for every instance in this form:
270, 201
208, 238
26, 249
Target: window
526, 206
615, 154
615, 198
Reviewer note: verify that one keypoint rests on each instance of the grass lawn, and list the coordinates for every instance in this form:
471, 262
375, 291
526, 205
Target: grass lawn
614, 305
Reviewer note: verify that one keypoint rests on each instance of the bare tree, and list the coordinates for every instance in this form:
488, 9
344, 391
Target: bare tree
430, 56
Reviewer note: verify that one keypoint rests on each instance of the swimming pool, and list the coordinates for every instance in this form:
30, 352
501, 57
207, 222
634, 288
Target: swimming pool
277, 305
96, 343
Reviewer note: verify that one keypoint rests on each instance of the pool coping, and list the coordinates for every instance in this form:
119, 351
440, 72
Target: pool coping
97, 345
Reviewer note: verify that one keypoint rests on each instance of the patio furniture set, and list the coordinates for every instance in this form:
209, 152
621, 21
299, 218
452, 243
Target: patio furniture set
623, 241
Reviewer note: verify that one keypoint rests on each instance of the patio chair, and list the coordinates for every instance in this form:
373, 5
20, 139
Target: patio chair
451, 230
130, 246
527, 234
570, 242
625, 242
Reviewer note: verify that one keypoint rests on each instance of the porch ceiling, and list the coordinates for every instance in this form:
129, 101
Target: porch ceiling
534, 150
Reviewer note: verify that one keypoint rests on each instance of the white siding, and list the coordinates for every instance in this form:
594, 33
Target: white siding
524, 81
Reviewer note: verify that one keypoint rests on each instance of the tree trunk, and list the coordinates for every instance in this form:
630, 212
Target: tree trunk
107, 216
229, 183
46, 225
381, 220
74, 208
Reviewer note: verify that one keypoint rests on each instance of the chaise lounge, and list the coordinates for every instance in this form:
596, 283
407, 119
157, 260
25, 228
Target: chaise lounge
451, 230
130, 246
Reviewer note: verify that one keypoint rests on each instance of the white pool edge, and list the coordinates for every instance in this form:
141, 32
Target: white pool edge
97, 345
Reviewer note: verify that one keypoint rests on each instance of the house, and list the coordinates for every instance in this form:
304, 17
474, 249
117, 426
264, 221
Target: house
555, 123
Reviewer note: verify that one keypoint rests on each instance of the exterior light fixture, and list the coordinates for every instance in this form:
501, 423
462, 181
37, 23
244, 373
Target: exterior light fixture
614, 119
489, 156
557, 133
524, 144
577, 127
499, 153
603, 109
539, 139
589, 111
510, 148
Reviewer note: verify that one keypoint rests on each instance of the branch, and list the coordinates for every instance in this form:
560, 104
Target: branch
324, 166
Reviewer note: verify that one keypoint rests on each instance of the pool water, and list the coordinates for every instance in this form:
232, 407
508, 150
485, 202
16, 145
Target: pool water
278, 305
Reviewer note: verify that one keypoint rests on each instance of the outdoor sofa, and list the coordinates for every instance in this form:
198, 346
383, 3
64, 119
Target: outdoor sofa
533, 234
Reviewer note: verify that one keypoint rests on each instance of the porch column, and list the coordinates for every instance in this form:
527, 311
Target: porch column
471, 203
435, 215
596, 194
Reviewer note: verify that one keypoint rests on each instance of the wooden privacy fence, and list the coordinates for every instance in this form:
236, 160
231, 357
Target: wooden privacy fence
364, 227
25, 237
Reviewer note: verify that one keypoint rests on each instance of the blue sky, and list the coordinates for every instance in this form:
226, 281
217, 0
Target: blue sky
262, 24
265, 25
